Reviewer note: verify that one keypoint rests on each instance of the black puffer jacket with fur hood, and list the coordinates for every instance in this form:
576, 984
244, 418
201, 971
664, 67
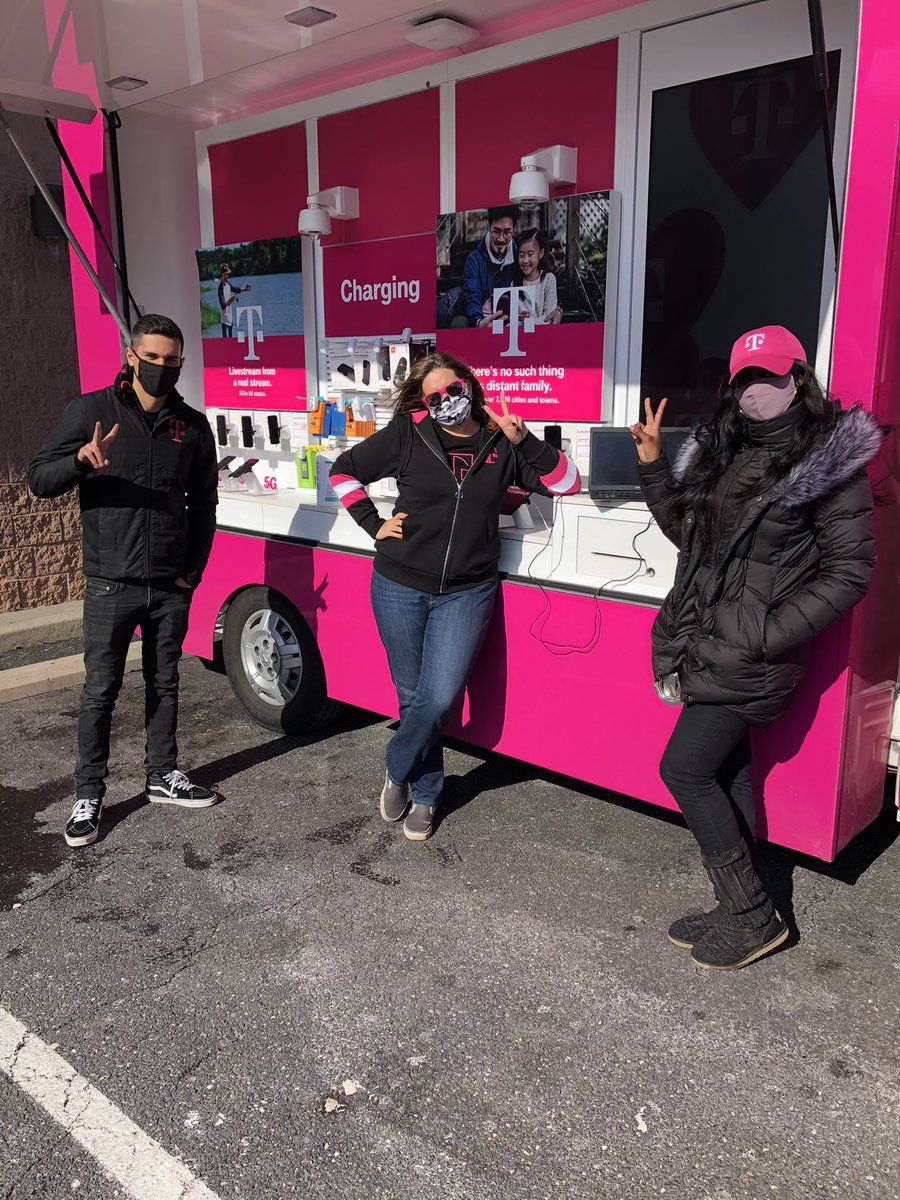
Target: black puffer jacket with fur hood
781, 566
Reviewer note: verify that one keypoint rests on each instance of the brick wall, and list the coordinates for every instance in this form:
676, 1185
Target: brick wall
40, 540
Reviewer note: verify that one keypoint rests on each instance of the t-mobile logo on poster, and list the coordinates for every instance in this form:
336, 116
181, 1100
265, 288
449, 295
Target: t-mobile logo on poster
252, 335
528, 293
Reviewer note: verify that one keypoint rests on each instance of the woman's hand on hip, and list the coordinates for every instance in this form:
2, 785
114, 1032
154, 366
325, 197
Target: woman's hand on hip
514, 427
646, 436
392, 528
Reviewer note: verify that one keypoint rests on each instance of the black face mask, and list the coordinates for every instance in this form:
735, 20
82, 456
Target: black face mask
157, 379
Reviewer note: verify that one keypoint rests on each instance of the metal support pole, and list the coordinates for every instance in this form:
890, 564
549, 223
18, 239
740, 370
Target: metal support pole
70, 236
91, 212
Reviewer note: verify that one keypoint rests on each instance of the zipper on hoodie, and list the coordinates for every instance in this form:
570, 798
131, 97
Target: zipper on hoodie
441, 458
450, 538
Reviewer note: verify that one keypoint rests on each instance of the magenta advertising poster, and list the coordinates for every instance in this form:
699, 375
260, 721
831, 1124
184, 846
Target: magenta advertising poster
521, 298
379, 288
251, 306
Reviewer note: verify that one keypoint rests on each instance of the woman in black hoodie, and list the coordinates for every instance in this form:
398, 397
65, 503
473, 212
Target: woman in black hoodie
435, 576
772, 511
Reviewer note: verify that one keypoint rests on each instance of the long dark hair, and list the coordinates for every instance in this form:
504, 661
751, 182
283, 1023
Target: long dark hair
410, 398
721, 436
540, 240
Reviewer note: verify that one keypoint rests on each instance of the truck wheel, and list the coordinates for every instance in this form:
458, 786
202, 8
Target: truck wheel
273, 663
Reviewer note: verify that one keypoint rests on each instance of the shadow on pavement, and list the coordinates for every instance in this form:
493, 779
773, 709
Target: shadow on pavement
212, 773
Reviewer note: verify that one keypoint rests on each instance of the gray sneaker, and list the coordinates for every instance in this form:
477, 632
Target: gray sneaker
394, 799
419, 825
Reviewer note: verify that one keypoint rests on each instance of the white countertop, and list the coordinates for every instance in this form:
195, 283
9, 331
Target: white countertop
576, 542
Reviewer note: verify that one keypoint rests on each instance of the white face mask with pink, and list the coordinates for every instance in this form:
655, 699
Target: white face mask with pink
764, 399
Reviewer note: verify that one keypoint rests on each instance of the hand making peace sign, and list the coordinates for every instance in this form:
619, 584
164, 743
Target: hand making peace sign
513, 426
646, 436
94, 451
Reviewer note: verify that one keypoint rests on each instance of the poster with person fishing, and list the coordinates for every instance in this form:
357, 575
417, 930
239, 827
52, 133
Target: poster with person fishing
251, 314
521, 296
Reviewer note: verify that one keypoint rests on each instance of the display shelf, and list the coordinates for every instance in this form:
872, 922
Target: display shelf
575, 542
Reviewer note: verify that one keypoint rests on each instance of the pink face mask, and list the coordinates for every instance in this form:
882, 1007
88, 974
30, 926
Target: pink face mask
764, 399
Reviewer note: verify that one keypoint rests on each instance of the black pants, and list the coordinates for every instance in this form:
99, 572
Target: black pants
112, 612
706, 767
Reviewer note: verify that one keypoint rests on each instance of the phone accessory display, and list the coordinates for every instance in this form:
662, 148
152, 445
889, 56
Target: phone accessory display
325, 493
317, 419
360, 418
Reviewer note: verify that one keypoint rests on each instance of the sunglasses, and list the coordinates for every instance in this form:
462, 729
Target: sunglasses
457, 388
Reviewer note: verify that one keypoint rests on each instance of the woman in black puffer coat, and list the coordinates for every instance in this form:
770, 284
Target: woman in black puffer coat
771, 509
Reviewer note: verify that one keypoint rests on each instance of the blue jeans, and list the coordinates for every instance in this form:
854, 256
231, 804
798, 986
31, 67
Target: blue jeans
432, 643
227, 330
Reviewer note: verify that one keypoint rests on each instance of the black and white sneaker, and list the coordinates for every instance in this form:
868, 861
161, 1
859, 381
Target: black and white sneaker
174, 787
84, 824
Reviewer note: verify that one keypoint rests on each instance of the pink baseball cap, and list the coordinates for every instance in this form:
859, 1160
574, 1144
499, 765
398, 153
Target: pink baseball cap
772, 347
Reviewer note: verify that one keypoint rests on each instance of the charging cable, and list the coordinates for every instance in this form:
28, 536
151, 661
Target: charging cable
562, 650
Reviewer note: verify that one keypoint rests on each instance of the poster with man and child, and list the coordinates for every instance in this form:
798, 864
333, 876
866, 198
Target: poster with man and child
521, 295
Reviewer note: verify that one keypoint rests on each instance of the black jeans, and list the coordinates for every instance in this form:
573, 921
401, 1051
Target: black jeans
706, 767
112, 612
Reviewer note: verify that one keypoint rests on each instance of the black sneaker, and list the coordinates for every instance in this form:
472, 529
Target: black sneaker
84, 824
394, 799
730, 945
689, 930
748, 925
174, 787
419, 825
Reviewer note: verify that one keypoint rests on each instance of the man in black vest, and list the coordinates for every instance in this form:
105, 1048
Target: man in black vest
144, 463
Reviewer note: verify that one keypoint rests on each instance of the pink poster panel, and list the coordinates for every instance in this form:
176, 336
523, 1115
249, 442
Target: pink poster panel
567, 99
380, 288
268, 374
521, 298
557, 377
258, 184
251, 305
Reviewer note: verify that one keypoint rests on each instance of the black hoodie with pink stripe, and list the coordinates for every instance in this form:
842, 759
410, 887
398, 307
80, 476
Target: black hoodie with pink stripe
451, 537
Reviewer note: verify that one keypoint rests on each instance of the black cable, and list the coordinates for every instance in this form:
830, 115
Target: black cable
820, 62
557, 648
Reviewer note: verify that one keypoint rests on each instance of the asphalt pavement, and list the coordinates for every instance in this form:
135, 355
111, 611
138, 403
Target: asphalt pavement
293, 1000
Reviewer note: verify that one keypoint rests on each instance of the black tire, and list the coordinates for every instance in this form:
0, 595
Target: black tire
261, 676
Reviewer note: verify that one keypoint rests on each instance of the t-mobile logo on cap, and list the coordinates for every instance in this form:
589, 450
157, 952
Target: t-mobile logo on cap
755, 341
253, 335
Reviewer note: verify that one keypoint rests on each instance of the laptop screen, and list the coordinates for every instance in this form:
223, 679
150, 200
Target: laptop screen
614, 458
613, 461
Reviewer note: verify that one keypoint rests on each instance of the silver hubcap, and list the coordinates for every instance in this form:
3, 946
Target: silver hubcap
271, 657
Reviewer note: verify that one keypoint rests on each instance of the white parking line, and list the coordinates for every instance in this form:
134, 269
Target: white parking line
139, 1163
